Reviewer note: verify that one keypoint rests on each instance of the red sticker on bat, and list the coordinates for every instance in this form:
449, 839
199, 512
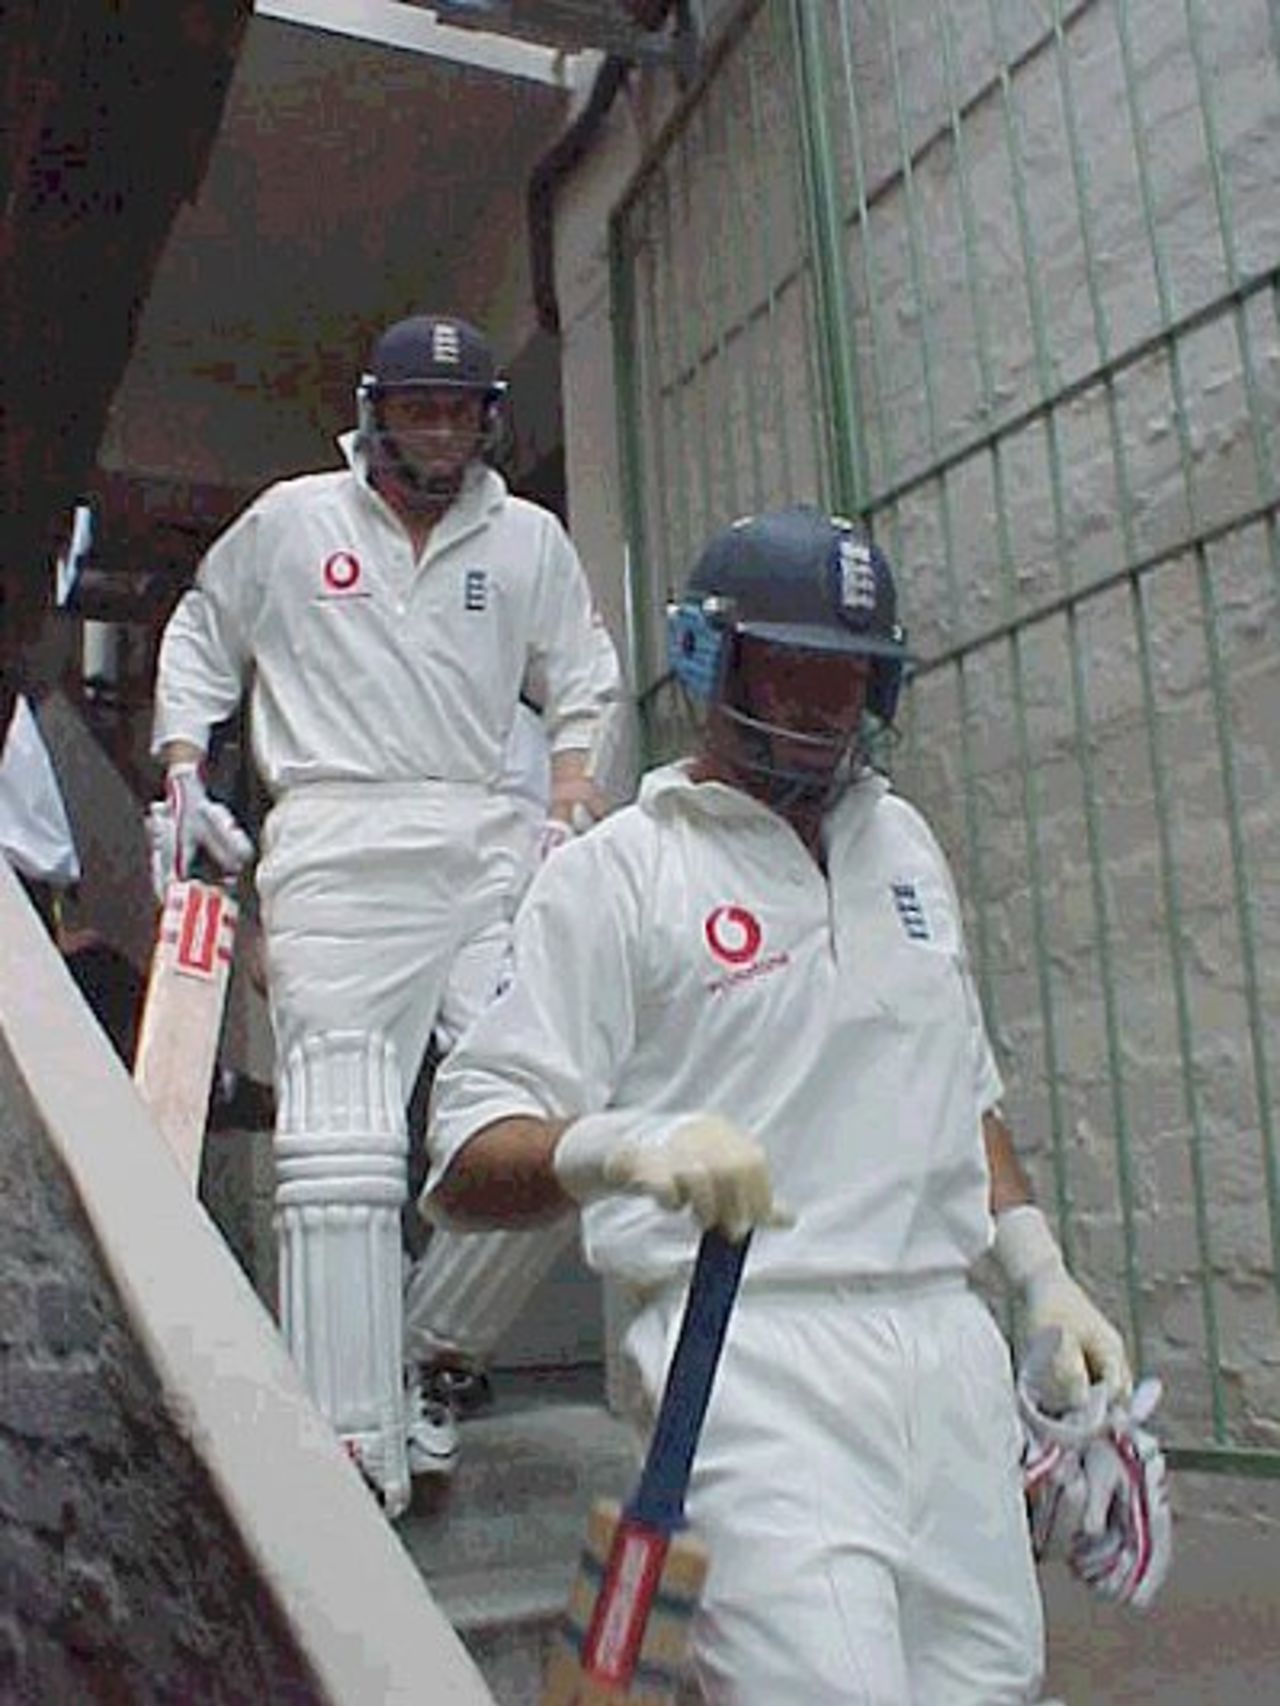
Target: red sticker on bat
199, 942
621, 1612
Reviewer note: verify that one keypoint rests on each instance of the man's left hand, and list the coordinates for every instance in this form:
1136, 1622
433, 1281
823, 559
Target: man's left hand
576, 804
1088, 1347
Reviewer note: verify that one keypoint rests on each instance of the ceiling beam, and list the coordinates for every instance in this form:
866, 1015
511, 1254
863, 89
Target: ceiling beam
417, 29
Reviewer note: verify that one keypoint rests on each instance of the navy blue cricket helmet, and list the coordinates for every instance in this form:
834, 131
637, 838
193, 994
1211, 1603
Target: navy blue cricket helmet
427, 352
797, 578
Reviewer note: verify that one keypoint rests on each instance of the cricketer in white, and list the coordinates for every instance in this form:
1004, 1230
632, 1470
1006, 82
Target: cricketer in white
756, 974
384, 617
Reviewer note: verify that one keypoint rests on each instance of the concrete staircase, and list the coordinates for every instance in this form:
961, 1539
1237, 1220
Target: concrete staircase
500, 1546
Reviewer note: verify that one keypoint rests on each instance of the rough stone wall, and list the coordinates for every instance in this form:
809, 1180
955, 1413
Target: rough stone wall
121, 1580
1081, 774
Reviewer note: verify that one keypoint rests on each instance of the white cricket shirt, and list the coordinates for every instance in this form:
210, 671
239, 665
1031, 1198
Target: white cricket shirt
690, 954
368, 665
35, 832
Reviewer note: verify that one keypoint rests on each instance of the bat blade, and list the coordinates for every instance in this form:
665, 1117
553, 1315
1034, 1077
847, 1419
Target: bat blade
182, 1013
625, 1632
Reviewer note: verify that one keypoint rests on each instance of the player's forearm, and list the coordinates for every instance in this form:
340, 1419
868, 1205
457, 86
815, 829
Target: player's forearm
1086, 1347
572, 786
1009, 1185
505, 1176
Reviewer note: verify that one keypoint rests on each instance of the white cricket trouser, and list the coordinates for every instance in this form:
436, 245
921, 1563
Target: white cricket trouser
369, 892
380, 904
858, 1485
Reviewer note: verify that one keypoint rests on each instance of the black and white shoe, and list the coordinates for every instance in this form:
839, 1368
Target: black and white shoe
431, 1432
466, 1391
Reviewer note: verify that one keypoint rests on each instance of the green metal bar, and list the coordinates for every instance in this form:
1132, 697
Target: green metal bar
684, 457
866, 248
630, 459
782, 429
631, 463
744, 217
651, 472
816, 411
1217, 670
1080, 179
1030, 791
839, 371
715, 306
973, 839
1048, 383
699, 384
1171, 882
1224, 1460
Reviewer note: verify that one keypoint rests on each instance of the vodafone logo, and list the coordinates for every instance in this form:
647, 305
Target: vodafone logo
733, 934
341, 574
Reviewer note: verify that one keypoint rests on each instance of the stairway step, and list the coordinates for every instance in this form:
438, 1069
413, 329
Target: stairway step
520, 1597
517, 1504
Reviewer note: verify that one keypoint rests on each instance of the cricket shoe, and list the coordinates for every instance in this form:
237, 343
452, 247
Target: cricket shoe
466, 1391
431, 1431
383, 1462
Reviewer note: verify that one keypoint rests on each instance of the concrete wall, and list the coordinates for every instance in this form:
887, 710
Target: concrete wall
124, 1578
351, 182
178, 1521
729, 404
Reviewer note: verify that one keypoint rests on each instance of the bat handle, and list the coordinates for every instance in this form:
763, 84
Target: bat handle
205, 870
664, 1481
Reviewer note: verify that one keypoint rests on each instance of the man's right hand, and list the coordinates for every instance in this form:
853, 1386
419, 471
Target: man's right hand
702, 1161
189, 823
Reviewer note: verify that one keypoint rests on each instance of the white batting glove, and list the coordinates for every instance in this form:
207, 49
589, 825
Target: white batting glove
1125, 1544
553, 834
201, 825
1088, 1346
1096, 1486
701, 1161
1053, 1446
161, 846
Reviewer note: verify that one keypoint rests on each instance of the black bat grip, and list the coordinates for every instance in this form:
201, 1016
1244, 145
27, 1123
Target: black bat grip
659, 1499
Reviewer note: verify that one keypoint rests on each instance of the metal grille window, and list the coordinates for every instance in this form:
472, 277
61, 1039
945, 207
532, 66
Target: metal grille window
1004, 280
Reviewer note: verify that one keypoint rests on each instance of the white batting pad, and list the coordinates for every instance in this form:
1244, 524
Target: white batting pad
340, 1185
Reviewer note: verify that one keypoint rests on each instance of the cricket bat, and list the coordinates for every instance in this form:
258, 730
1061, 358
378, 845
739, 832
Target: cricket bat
625, 1634
182, 1013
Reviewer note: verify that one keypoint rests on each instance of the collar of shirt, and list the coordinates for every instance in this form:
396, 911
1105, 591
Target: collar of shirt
483, 490
672, 789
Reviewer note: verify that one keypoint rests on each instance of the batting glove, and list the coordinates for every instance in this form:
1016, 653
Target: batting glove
553, 834
1053, 1446
200, 825
701, 1161
1125, 1544
1088, 1346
